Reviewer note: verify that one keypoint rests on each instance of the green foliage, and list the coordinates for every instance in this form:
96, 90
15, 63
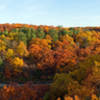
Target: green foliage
40, 33
1, 62
54, 34
5, 32
62, 32
22, 37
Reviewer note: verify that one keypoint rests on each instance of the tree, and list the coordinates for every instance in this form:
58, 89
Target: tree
5, 32
41, 53
22, 37
17, 62
54, 34
9, 53
40, 33
21, 50
65, 54
1, 62
62, 32
63, 84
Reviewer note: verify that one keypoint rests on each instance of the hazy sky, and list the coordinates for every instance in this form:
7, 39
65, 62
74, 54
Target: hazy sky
51, 12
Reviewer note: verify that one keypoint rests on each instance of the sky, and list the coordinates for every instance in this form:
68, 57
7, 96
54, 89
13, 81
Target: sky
68, 13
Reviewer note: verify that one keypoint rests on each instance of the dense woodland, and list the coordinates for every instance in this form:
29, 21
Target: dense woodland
67, 60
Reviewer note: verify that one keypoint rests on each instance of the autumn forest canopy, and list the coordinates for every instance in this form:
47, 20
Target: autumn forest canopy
66, 60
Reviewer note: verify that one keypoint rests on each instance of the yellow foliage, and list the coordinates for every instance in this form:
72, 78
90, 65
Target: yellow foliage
68, 38
21, 50
2, 36
12, 35
96, 67
92, 37
2, 45
17, 62
9, 53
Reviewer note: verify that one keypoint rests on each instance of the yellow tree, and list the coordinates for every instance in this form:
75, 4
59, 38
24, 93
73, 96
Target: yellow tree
17, 62
21, 50
9, 53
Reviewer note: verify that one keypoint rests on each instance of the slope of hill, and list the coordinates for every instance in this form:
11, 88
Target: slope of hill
67, 57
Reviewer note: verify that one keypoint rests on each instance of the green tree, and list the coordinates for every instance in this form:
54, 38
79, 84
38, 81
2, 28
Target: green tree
54, 34
22, 37
62, 32
40, 33
31, 33
5, 32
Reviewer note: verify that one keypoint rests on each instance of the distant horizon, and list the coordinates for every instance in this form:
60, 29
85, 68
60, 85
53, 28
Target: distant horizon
49, 25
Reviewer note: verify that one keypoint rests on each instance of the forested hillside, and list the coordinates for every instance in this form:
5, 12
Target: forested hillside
66, 59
